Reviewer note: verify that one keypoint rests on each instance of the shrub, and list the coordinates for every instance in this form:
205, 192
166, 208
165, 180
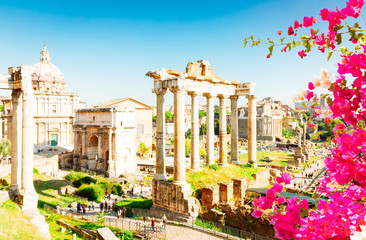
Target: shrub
117, 189
35, 170
74, 176
92, 192
106, 185
84, 180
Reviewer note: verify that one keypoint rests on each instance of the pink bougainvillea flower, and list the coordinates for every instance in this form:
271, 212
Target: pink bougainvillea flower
327, 120
354, 41
309, 95
296, 25
290, 31
322, 113
311, 86
279, 32
315, 19
300, 96
302, 54
308, 22
284, 49
311, 125
257, 213
323, 80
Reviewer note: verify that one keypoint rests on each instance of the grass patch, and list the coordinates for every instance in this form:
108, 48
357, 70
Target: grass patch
208, 225
136, 203
209, 176
14, 223
278, 158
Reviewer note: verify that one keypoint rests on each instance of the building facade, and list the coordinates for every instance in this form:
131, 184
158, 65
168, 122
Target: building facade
143, 117
269, 120
104, 140
54, 112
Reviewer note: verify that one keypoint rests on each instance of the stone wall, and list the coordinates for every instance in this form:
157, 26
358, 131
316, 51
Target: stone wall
210, 195
66, 160
174, 197
83, 233
264, 178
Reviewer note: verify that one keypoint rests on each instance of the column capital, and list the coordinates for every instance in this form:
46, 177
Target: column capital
194, 94
160, 91
100, 131
83, 130
234, 97
175, 89
222, 96
251, 97
209, 95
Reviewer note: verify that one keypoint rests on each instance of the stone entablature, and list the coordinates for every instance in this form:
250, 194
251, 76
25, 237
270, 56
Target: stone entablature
105, 141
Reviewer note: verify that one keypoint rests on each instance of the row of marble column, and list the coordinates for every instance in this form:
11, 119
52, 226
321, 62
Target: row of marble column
179, 136
22, 149
83, 156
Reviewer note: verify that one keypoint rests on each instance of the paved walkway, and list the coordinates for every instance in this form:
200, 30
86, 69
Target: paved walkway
173, 232
300, 181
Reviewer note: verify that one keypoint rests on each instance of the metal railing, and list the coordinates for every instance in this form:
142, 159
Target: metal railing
140, 228
196, 223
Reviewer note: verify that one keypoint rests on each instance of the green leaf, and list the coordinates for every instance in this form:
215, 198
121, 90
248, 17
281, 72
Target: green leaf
270, 48
329, 101
343, 49
331, 88
315, 32
303, 104
338, 38
305, 37
251, 37
282, 39
330, 53
356, 26
337, 27
362, 40
270, 41
289, 46
245, 42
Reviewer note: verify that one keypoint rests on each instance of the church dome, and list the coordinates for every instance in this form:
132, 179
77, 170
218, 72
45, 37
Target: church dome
47, 75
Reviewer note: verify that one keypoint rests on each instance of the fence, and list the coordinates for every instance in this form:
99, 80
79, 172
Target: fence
140, 228
196, 223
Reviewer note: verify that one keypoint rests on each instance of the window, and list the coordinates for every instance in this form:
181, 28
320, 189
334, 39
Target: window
93, 118
140, 129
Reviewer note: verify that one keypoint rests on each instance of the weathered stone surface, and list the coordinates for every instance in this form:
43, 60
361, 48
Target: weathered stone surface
210, 196
174, 197
106, 234
68, 190
73, 204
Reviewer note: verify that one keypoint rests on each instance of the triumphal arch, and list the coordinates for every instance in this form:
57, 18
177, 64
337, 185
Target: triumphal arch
198, 80
19, 81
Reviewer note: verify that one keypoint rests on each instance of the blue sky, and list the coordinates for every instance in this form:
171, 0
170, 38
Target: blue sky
104, 48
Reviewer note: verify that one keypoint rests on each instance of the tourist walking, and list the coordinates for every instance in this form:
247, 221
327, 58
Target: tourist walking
93, 205
79, 208
101, 206
89, 205
84, 208
164, 220
119, 214
153, 224
161, 225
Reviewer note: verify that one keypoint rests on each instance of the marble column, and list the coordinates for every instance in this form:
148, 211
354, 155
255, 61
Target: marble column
195, 134
210, 130
222, 131
252, 130
76, 150
83, 157
304, 134
179, 139
160, 173
110, 169
28, 195
234, 155
16, 142
99, 157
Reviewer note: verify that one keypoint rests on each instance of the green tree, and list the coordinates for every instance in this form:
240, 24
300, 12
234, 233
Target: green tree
5, 148
168, 116
188, 134
286, 133
154, 119
202, 114
216, 108
143, 150
203, 129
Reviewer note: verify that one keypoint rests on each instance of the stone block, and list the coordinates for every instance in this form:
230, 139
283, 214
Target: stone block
226, 192
210, 196
106, 234
194, 68
239, 188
